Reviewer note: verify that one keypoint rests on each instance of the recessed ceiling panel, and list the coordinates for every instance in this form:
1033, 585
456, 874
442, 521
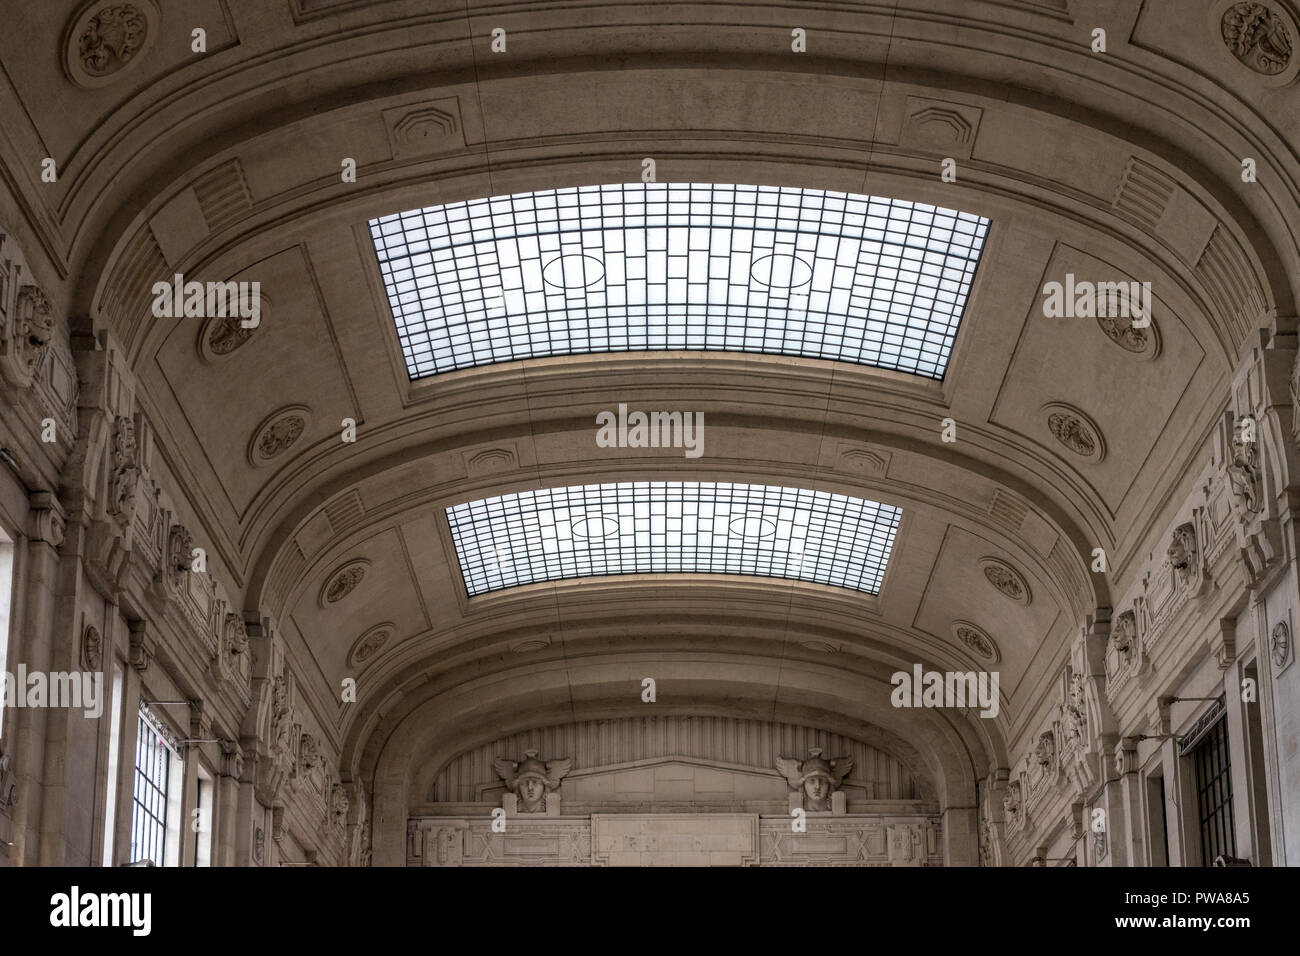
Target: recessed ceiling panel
672, 527
678, 266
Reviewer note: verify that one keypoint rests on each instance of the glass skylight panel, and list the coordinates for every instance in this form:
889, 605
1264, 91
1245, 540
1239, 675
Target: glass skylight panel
653, 266
672, 527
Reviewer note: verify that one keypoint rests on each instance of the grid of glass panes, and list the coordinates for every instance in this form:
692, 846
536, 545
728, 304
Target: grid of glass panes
149, 803
672, 526
678, 266
1214, 794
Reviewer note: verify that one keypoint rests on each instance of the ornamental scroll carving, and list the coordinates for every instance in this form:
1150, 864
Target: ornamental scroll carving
125, 473
26, 336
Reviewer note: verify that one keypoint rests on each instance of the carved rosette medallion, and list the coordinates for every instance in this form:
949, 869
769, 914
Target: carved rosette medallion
1075, 430
92, 649
977, 640
1006, 579
342, 582
1279, 644
277, 433
371, 643
105, 39
1259, 37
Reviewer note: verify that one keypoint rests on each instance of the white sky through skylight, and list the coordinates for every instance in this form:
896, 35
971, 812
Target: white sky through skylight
678, 266
672, 526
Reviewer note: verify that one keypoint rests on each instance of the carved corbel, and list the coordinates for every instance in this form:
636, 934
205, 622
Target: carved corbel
141, 646
48, 522
1224, 642
232, 760
277, 825
1126, 758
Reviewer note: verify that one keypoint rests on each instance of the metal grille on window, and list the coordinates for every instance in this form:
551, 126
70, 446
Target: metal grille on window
678, 266
153, 756
672, 527
1214, 794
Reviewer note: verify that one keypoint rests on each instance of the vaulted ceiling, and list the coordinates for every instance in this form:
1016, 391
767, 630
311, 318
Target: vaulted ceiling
1123, 166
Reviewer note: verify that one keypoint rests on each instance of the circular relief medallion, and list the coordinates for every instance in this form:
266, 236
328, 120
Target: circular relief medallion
222, 335
1143, 342
92, 648
106, 39
1075, 430
977, 640
342, 582
1258, 36
1280, 644
371, 643
277, 433
1006, 579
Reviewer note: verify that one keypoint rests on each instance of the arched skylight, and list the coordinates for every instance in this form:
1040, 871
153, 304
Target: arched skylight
654, 266
648, 527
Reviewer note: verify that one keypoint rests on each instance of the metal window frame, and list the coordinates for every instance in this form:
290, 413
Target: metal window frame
656, 266
673, 527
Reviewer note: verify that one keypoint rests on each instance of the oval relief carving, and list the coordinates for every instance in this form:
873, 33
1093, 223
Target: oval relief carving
277, 433
222, 335
977, 640
105, 39
92, 649
342, 582
1144, 342
1006, 579
1258, 36
1280, 644
371, 643
1075, 430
